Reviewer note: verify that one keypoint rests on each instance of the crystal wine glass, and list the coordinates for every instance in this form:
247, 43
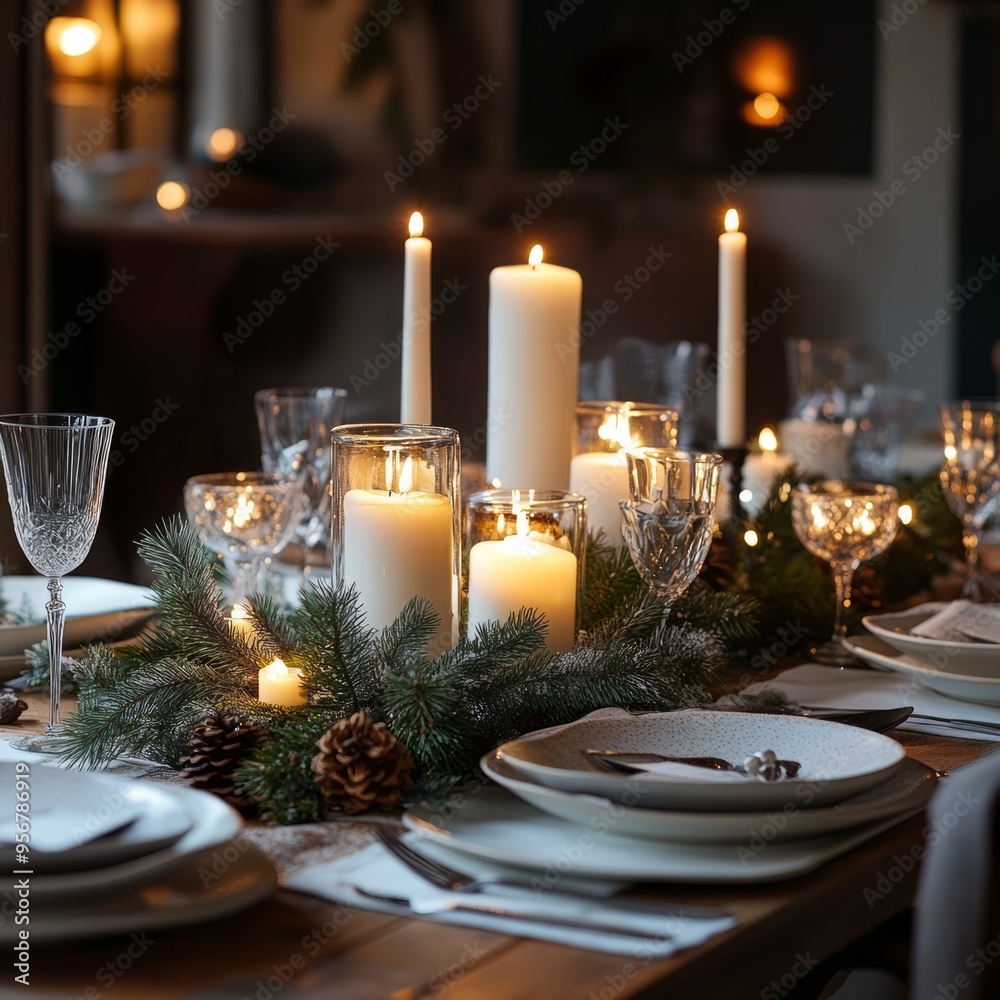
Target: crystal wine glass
295, 427
246, 516
971, 473
55, 465
668, 520
845, 524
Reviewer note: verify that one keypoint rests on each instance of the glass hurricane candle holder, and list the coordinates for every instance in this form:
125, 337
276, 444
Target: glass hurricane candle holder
668, 519
246, 517
605, 429
396, 504
526, 550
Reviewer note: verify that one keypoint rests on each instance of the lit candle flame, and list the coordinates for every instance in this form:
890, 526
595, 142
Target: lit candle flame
767, 440
77, 35
732, 220
239, 612
535, 256
416, 224
523, 527
406, 476
615, 428
275, 670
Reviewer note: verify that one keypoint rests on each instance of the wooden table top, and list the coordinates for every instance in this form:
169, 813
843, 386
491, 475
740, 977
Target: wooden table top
302, 947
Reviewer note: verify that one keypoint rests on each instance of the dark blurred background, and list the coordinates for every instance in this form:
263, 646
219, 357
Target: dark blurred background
171, 164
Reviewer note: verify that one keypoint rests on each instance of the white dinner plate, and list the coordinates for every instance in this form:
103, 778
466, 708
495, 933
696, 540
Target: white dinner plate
907, 789
95, 609
492, 825
212, 823
175, 898
837, 761
873, 651
968, 659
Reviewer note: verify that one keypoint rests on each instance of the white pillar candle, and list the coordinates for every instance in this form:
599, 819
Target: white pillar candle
602, 477
415, 394
520, 572
397, 546
760, 470
280, 685
534, 367
731, 400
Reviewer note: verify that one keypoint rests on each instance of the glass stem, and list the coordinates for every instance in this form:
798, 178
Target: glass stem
843, 576
55, 614
245, 580
970, 539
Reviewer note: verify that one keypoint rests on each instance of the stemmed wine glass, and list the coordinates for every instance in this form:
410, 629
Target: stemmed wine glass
245, 516
845, 524
668, 519
295, 426
971, 473
55, 465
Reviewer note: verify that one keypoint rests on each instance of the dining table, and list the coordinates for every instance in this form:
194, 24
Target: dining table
296, 945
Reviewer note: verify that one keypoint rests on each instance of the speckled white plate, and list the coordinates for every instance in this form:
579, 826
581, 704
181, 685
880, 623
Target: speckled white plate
967, 659
908, 788
837, 760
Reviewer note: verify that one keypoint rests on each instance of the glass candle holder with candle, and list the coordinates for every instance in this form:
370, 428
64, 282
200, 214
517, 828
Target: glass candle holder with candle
396, 502
605, 429
526, 550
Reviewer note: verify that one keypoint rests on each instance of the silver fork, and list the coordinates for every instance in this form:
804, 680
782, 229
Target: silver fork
442, 877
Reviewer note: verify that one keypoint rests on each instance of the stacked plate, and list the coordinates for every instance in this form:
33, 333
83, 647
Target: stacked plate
682, 823
104, 855
97, 610
943, 646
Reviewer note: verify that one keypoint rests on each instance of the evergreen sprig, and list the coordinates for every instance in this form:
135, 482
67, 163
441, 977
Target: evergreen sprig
448, 709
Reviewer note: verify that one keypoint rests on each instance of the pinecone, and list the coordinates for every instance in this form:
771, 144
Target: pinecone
215, 750
361, 765
10, 707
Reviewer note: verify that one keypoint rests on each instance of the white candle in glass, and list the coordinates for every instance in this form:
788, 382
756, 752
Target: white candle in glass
520, 572
602, 477
280, 685
534, 368
397, 546
731, 400
415, 390
760, 470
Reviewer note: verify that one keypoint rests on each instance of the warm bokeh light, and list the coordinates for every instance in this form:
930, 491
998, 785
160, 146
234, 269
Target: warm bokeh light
416, 224
746, 496
535, 257
171, 195
750, 537
905, 513
767, 439
732, 221
765, 66
223, 142
74, 36
766, 105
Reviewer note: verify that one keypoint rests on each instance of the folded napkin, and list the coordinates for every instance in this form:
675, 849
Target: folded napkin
813, 684
962, 621
375, 870
669, 770
63, 809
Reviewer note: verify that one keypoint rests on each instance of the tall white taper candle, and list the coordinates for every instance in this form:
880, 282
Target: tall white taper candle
731, 401
415, 394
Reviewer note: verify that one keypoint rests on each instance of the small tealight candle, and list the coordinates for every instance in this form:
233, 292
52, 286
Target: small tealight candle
280, 685
760, 470
240, 620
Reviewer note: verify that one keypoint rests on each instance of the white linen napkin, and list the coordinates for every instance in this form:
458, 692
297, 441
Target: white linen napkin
962, 621
62, 809
830, 687
374, 869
